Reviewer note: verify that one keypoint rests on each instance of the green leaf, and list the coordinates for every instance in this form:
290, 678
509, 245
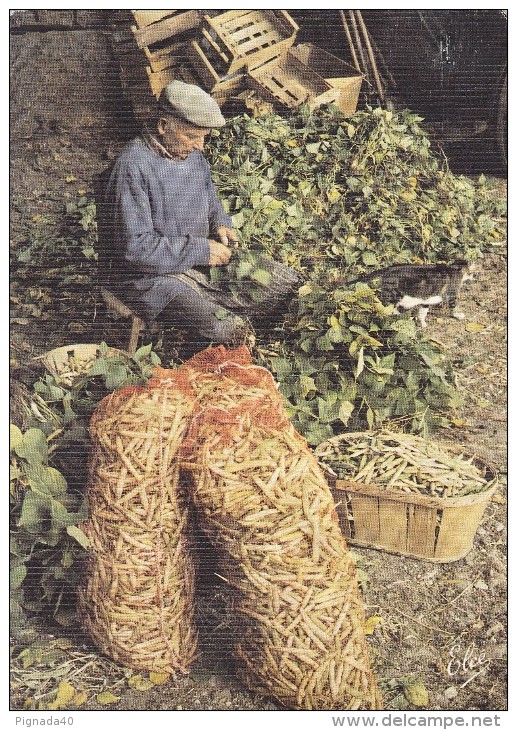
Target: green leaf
61, 517
306, 385
281, 366
35, 511
221, 314
64, 696
243, 269
50, 392
360, 363
140, 683
316, 433
328, 409
238, 220
33, 447
324, 343
90, 253
305, 290
370, 418
17, 576
78, 535
30, 656
69, 413
261, 276
45, 480
115, 376
107, 698
99, 367
336, 335
15, 436
142, 353
369, 258
346, 409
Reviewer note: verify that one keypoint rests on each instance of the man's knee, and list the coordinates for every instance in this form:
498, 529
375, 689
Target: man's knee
231, 331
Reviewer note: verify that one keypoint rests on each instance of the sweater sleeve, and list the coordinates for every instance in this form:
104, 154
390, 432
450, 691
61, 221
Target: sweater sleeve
144, 249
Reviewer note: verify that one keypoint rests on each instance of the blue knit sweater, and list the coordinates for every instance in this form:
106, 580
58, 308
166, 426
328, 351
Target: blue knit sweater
163, 211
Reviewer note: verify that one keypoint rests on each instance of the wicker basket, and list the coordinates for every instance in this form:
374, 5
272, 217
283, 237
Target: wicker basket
72, 361
438, 529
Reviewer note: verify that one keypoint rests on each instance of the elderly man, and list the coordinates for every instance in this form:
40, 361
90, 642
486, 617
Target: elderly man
166, 225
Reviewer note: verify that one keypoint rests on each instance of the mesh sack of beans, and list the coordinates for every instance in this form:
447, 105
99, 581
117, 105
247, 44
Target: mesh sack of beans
266, 507
137, 596
224, 378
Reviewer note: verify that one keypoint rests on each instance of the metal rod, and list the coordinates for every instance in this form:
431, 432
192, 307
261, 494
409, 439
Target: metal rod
350, 41
358, 41
378, 83
385, 70
435, 39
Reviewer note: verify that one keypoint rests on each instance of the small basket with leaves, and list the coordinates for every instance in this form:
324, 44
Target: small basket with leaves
70, 362
406, 494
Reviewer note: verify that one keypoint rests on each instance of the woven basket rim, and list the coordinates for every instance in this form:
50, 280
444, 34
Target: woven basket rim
375, 490
53, 358
492, 472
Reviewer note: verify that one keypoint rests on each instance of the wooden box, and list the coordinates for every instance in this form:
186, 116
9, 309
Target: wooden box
150, 54
436, 529
398, 516
239, 38
287, 82
336, 72
155, 26
223, 90
210, 77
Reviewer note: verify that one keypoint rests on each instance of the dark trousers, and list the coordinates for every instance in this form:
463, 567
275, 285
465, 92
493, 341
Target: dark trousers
205, 316
210, 313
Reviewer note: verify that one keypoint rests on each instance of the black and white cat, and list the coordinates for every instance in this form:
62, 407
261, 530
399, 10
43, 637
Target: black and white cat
410, 286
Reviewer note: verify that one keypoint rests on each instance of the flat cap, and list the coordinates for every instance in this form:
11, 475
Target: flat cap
192, 104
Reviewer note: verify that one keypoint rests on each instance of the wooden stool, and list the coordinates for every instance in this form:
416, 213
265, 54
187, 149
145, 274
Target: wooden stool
115, 306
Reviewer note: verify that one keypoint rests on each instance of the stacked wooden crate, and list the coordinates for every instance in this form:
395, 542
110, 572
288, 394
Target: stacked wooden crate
226, 52
151, 53
338, 74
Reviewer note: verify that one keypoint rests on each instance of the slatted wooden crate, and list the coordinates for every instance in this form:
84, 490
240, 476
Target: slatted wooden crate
150, 54
143, 18
245, 38
223, 91
404, 519
211, 78
155, 26
287, 83
336, 72
436, 529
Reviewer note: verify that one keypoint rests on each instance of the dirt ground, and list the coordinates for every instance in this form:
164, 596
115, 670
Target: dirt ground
436, 619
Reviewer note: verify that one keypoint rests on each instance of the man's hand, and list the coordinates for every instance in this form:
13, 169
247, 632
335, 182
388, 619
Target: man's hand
219, 253
227, 236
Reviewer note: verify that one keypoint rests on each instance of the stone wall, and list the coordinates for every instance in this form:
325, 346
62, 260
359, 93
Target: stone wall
23, 21
63, 76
